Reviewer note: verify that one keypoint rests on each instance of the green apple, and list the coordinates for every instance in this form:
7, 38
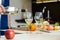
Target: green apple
56, 24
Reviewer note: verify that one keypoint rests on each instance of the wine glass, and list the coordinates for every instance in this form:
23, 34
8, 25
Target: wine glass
28, 17
39, 19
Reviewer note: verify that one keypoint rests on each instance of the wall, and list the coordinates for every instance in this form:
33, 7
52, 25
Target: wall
21, 4
26, 4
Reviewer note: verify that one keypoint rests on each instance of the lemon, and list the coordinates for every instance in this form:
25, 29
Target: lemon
56, 28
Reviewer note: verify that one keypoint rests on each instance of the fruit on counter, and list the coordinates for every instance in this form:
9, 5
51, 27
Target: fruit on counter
45, 27
9, 34
56, 24
41, 26
46, 23
32, 27
48, 27
56, 27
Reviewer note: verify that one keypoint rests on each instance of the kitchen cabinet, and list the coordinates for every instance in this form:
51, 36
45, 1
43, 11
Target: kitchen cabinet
44, 1
59, 0
53, 7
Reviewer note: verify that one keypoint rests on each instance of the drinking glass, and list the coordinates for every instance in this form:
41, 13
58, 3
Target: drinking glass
39, 19
28, 18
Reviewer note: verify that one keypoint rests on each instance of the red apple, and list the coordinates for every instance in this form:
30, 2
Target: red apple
9, 34
50, 28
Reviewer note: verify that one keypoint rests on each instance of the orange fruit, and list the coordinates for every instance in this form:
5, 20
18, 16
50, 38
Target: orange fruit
32, 27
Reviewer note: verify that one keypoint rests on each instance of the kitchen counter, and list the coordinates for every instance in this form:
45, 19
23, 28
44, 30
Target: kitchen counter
36, 35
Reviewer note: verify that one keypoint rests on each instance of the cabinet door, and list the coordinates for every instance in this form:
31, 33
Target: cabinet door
44, 1
58, 0
49, 0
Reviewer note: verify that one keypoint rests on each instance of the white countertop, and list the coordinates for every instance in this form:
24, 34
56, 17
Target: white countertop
36, 35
